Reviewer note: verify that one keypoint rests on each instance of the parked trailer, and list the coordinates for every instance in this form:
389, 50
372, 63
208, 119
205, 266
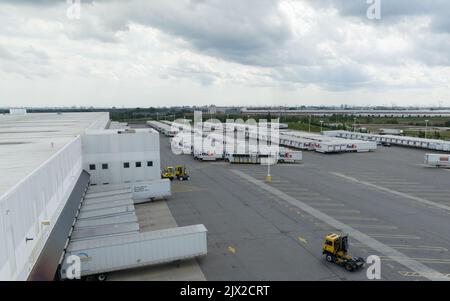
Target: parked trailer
255, 158
104, 255
289, 156
163, 128
437, 160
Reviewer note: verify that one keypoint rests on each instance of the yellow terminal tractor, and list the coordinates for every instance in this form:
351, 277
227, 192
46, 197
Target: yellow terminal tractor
168, 173
335, 249
181, 173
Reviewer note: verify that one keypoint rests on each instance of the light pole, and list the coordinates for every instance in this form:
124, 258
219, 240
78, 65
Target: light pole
426, 128
321, 126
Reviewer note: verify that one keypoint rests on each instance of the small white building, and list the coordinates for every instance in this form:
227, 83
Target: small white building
121, 156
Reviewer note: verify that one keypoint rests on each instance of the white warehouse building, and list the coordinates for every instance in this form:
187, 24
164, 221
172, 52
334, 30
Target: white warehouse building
47, 162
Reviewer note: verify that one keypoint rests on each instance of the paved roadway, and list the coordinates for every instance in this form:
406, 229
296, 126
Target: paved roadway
393, 205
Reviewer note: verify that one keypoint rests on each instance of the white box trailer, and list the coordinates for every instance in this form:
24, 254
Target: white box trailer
103, 255
438, 160
150, 190
289, 156
361, 146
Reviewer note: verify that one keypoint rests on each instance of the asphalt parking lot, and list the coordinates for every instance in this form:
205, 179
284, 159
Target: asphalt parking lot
398, 209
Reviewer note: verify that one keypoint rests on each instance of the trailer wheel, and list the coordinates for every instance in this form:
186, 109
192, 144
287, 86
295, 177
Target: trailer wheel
349, 267
329, 258
101, 277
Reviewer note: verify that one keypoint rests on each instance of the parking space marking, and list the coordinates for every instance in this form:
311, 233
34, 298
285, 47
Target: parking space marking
325, 204
312, 199
423, 260
386, 227
354, 211
396, 236
394, 183
425, 190
395, 192
356, 218
411, 247
354, 233
416, 274
303, 240
383, 227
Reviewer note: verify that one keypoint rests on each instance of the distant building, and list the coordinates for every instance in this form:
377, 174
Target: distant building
212, 109
391, 132
17, 111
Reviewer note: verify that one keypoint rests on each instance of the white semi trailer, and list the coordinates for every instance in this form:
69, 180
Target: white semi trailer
437, 160
99, 256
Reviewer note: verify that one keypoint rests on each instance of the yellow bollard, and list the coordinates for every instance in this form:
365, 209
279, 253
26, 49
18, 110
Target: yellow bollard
268, 179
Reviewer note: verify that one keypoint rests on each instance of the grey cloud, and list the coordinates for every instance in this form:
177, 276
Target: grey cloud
5, 54
234, 30
334, 78
256, 33
395, 10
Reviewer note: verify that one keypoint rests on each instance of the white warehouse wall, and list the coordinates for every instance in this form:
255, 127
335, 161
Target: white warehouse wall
40, 196
114, 149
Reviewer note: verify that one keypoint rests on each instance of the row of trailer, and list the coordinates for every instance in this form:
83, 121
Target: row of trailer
324, 144
162, 127
261, 133
432, 144
232, 142
213, 147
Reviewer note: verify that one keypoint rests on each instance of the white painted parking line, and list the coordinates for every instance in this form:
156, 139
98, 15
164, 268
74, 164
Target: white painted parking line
356, 234
416, 274
423, 260
424, 190
386, 227
314, 199
435, 194
396, 183
319, 204
396, 236
410, 247
395, 192
356, 218
296, 189
342, 210
382, 227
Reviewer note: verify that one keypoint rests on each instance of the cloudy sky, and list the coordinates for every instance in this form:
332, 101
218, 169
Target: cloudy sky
224, 52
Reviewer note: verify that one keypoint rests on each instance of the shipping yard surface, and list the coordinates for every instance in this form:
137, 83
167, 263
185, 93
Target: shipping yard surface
398, 207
